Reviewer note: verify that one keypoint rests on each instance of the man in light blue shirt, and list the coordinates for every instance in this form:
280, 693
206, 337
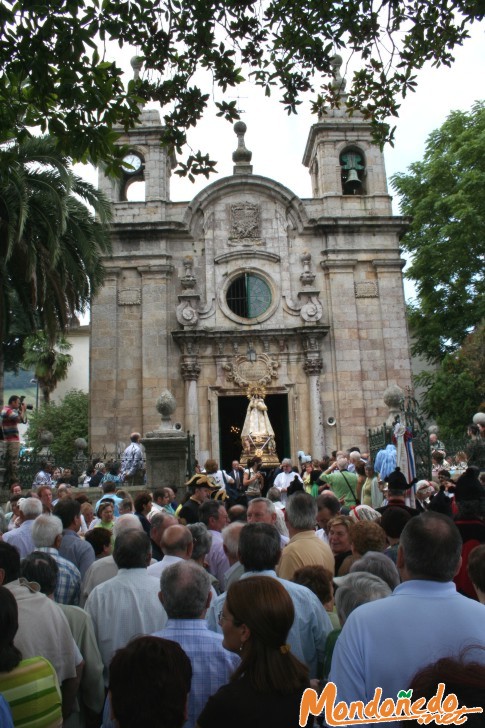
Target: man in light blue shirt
185, 595
21, 537
385, 643
109, 489
259, 552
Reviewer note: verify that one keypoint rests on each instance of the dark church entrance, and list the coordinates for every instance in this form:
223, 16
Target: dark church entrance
232, 411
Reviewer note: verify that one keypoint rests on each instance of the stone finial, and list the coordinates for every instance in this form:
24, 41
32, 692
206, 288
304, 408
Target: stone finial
188, 280
46, 438
307, 277
166, 405
339, 83
393, 397
137, 65
242, 156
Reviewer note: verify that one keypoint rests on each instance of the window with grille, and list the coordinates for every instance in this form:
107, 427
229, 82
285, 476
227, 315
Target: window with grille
248, 296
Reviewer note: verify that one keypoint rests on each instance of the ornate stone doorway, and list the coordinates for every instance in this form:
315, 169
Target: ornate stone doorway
232, 411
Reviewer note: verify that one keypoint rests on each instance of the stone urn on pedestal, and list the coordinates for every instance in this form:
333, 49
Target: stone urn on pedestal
393, 398
166, 448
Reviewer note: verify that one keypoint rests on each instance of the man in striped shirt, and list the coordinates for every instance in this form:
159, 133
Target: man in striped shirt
13, 414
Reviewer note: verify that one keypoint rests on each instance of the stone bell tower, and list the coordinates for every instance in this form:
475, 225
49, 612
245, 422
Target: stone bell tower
362, 266
147, 165
131, 314
346, 165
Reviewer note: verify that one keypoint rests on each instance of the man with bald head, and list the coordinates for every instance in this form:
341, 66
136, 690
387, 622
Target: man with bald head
105, 568
126, 605
185, 594
159, 522
177, 545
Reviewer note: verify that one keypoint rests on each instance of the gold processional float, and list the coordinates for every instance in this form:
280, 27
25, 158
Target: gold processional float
257, 435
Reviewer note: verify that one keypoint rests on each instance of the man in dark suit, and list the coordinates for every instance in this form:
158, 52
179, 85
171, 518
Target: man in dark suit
236, 492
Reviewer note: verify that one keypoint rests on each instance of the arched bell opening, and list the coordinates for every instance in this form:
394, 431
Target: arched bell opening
353, 171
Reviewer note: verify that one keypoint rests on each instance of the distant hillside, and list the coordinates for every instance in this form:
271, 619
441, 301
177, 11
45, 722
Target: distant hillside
20, 384
18, 381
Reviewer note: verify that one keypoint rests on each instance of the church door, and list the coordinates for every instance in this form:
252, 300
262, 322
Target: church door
232, 411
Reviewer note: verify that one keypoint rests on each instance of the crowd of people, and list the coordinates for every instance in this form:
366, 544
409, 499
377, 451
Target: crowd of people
224, 606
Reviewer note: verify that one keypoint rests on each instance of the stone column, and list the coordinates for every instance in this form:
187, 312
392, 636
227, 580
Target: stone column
313, 368
190, 369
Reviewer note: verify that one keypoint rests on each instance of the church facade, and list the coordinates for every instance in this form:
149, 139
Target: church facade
248, 290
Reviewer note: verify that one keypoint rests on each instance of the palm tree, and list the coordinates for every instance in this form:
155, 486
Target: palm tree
49, 361
54, 232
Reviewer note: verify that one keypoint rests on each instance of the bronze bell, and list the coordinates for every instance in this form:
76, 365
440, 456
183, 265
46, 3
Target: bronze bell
352, 184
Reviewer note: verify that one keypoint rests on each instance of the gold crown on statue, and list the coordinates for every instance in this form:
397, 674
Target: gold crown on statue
256, 390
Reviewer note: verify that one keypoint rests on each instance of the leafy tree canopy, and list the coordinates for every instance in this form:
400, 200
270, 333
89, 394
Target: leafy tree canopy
67, 421
48, 360
445, 196
57, 72
456, 391
54, 232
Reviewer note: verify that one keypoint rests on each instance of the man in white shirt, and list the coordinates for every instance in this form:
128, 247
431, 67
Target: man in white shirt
105, 568
126, 605
43, 628
284, 479
21, 537
132, 461
177, 545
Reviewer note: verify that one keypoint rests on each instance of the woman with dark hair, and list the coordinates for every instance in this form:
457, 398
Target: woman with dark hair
29, 686
101, 541
267, 686
105, 515
113, 475
253, 478
149, 682
461, 676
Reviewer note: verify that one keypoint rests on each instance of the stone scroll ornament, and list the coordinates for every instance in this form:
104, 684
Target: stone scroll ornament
312, 310
308, 306
186, 314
